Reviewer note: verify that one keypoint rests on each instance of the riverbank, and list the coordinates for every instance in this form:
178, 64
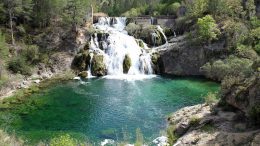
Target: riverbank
59, 69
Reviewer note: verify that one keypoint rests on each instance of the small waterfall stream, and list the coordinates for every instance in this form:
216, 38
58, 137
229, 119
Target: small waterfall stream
112, 41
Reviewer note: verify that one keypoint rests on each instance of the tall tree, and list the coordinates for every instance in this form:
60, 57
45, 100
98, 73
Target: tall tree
75, 11
11, 7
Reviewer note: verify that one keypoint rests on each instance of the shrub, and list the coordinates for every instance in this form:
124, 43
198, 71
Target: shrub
234, 8
194, 121
211, 98
172, 137
31, 54
247, 52
134, 12
235, 31
207, 28
197, 8
139, 138
19, 65
133, 29
173, 8
64, 140
255, 22
255, 114
254, 39
232, 66
228, 82
250, 8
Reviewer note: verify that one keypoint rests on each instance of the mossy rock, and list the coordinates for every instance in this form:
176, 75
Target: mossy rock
155, 58
98, 67
140, 43
127, 64
86, 47
81, 61
83, 74
152, 36
156, 63
149, 34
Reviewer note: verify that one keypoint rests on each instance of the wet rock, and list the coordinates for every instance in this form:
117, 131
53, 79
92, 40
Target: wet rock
37, 81
161, 141
98, 67
81, 61
150, 34
127, 63
83, 74
76, 78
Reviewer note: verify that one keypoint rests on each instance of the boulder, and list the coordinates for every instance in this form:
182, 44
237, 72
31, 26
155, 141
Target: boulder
83, 74
81, 61
156, 62
98, 67
127, 64
243, 94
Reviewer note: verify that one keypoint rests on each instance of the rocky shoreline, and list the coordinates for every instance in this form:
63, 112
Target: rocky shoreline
60, 66
212, 125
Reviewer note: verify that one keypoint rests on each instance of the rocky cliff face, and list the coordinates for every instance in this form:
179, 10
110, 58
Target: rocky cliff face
244, 94
184, 59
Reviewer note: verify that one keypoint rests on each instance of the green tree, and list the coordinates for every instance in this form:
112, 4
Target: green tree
11, 8
75, 11
3, 47
250, 9
207, 28
196, 8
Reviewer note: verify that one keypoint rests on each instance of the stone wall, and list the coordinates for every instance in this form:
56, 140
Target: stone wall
164, 21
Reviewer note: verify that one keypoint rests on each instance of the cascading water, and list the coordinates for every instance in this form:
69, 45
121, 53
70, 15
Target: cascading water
112, 41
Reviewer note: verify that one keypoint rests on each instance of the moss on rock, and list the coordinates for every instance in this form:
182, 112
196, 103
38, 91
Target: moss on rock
83, 74
155, 57
127, 64
149, 34
81, 61
98, 67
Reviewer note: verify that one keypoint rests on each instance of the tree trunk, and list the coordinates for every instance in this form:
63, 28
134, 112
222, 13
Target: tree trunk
11, 26
92, 14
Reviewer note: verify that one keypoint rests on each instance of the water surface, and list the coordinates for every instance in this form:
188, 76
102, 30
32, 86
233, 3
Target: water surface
104, 108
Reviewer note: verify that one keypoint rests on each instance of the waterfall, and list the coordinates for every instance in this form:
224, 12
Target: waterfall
112, 41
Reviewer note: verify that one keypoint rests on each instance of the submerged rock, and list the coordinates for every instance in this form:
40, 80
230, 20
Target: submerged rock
127, 64
98, 67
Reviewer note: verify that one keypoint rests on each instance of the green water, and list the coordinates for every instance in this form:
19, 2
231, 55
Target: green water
103, 109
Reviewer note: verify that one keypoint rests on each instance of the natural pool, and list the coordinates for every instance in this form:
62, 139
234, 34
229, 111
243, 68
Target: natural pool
103, 108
